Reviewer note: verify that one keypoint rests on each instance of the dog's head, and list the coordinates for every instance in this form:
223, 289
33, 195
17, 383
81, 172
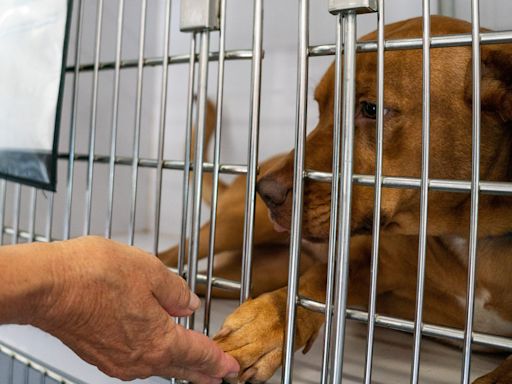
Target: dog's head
450, 136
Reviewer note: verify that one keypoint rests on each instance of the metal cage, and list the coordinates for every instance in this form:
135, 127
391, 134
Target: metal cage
27, 214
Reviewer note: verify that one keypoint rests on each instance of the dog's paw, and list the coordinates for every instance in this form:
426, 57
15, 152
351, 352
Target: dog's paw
501, 375
253, 335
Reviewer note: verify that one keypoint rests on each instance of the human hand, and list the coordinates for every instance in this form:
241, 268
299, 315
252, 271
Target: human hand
111, 304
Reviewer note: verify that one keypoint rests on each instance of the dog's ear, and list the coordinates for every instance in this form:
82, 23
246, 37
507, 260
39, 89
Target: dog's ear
496, 81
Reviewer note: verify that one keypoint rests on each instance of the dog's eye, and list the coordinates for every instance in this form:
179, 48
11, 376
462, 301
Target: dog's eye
369, 110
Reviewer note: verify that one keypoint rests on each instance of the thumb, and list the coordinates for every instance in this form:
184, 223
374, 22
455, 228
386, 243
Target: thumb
174, 295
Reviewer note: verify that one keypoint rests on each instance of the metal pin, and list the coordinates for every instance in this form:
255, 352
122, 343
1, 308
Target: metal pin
186, 169
73, 124
475, 179
348, 113
161, 133
378, 196
298, 190
115, 115
198, 164
94, 116
335, 188
3, 194
32, 214
422, 241
138, 120
252, 162
16, 213
216, 162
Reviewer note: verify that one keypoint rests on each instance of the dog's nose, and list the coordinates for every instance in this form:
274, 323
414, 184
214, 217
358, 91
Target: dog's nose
272, 192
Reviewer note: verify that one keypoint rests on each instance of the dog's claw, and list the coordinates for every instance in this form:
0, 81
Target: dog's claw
225, 331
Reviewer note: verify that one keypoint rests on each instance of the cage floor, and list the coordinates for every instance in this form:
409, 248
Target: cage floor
440, 363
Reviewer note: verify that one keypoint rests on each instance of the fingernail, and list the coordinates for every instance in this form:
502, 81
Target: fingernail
194, 302
232, 375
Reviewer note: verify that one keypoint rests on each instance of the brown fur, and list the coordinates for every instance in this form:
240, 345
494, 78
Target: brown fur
253, 333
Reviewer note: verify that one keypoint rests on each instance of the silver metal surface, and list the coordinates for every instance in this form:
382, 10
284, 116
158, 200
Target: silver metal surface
198, 164
301, 120
32, 214
335, 191
216, 167
456, 40
186, 164
16, 213
93, 123
73, 122
359, 6
374, 267
475, 179
115, 116
343, 245
422, 241
198, 15
238, 54
3, 194
138, 121
253, 148
161, 127
36, 365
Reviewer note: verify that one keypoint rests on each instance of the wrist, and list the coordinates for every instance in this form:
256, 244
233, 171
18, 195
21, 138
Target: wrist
29, 282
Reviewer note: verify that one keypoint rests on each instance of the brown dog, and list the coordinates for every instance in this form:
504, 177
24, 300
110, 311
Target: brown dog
254, 332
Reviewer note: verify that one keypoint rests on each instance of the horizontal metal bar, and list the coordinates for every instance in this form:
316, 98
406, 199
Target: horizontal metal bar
408, 326
233, 169
443, 41
240, 54
27, 235
37, 365
217, 282
444, 185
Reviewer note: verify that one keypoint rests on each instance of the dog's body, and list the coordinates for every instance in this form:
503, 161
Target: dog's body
254, 332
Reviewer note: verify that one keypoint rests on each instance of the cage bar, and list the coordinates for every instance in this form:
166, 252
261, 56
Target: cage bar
298, 190
475, 179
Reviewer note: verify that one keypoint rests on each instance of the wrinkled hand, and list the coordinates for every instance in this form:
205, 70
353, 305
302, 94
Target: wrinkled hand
111, 304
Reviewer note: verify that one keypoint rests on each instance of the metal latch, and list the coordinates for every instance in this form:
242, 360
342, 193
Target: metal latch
199, 15
360, 6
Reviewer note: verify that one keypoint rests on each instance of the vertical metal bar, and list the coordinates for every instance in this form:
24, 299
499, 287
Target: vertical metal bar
32, 214
335, 189
94, 115
198, 163
115, 115
422, 241
250, 196
3, 194
348, 115
298, 189
216, 166
446, 7
378, 195
186, 170
43, 378
10, 371
49, 217
16, 213
26, 371
161, 133
138, 120
73, 124
475, 180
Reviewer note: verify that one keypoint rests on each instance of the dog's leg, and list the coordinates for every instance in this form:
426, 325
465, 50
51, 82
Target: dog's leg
501, 375
253, 334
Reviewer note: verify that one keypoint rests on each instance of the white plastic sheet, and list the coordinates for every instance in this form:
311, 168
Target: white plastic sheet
32, 41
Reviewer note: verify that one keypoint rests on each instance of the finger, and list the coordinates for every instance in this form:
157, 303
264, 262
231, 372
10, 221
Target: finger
201, 354
190, 375
173, 293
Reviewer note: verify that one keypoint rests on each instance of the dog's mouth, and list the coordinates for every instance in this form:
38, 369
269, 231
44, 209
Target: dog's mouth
277, 226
